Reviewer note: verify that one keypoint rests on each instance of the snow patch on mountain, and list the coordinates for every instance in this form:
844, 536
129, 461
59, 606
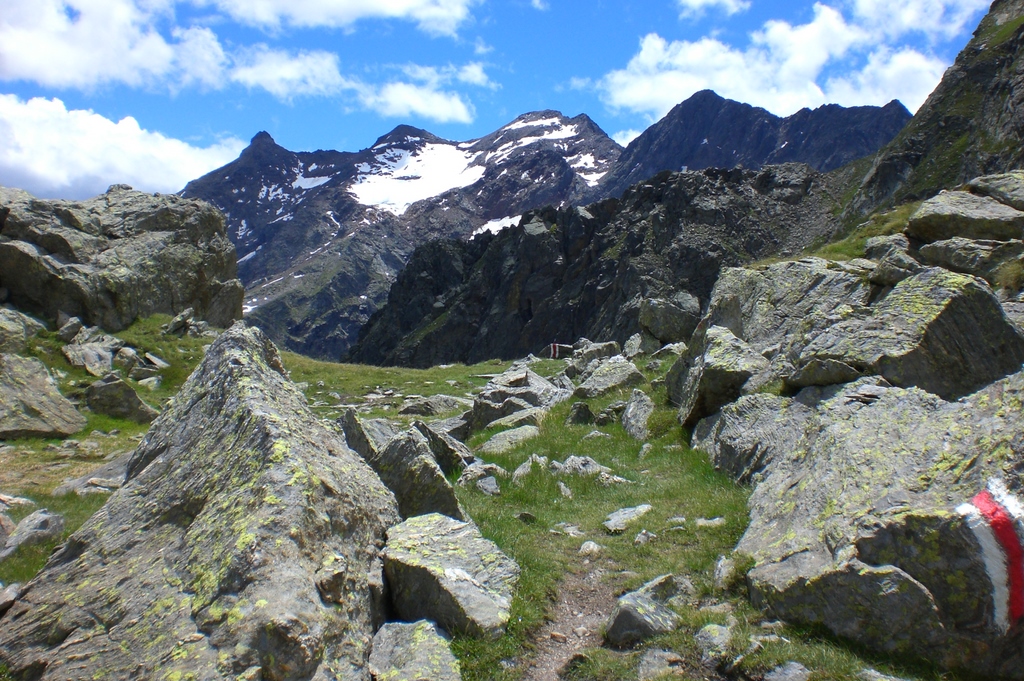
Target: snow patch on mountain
398, 177
542, 123
505, 150
495, 226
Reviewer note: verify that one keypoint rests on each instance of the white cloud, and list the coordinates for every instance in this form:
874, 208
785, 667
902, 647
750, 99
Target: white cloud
200, 59
936, 19
53, 152
287, 75
406, 99
786, 67
691, 8
480, 47
438, 17
624, 137
473, 74
541, 5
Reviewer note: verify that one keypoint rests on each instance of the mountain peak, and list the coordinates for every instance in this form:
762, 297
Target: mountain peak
405, 135
262, 137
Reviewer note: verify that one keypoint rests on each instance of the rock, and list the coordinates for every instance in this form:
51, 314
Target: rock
16, 329
971, 256
709, 522
791, 671
578, 465
614, 374
95, 358
9, 595
456, 427
564, 490
367, 436
713, 641
151, 384
526, 518
894, 268
585, 352
479, 469
434, 405
411, 652
1006, 188
611, 413
443, 570
107, 478
924, 334
180, 324
118, 257
406, 465
156, 361
877, 247
617, 521
7, 527
526, 467
656, 664
877, 545
644, 537
488, 486
30, 404
638, 411
69, 329
957, 213
451, 455
37, 527
579, 415
872, 675
242, 540
509, 439
590, 549
642, 343
670, 321
642, 614
515, 390
113, 397
533, 416
718, 376
725, 569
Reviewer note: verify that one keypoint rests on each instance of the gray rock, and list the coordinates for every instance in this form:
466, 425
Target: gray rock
512, 391
69, 329
7, 526
642, 343
638, 411
893, 268
118, 257
95, 358
37, 527
406, 465
30, 404
877, 247
971, 256
451, 455
533, 416
113, 397
434, 405
670, 321
616, 522
791, 671
578, 465
924, 334
654, 664
718, 375
443, 570
8, 596
642, 614
579, 415
586, 352
713, 641
16, 329
151, 384
367, 436
872, 675
956, 213
489, 486
241, 543
412, 652
509, 439
107, 478
1007, 188
614, 374
526, 467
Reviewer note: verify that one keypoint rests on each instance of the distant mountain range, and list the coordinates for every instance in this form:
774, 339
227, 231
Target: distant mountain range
322, 235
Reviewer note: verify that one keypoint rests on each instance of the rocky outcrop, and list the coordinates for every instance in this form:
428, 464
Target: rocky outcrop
643, 614
614, 373
410, 652
407, 466
718, 375
517, 389
117, 257
962, 214
875, 541
112, 396
30, 404
241, 544
586, 272
16, 329
442, 570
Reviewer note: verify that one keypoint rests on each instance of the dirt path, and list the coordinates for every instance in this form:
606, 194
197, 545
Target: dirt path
585, 601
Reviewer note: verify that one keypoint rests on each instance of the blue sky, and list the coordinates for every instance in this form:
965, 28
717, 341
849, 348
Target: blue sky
157, 92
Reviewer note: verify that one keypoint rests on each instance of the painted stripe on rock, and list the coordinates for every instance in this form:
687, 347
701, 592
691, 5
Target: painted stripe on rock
995, 563
1003, 527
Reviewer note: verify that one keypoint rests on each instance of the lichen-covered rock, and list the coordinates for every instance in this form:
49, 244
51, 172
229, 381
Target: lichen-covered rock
718, 375
366, 436
1007, 188
515, 390
586, 351
412, 652
450, 454
613, 374
638, 411
434, 405
118, 257
112, 396
16, 329
407, 466
443, 570
670, 321
240, 544
971, 256
642, 614
533, 416
509, 439
30, 404
858, 517
893, 268
941, 331
957, 213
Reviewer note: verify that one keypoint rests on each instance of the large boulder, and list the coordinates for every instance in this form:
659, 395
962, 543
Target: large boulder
964, 214
112, 396
443, 570
407, 466
514, 390
16, 329
971, 256
366, 436
872, 514
615, 373
642, 614
117, 257
636, 414
35, 528
1007, 188
30, 404
718, 376
941, 331
242, 544
411, 652
670, 321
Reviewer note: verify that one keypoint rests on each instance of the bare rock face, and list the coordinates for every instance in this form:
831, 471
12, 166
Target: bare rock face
117, 257
964, 214
30, 404
240, 545
409, 652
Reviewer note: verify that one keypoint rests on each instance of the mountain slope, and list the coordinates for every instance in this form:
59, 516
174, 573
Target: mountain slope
707, 130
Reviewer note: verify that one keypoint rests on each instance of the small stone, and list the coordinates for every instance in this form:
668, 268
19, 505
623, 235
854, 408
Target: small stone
713, 640
791, 671
590, 549
489, 486
596, 435
567, 529
526, 517
564, 489
558, 636
712, 522
645, 451
644, 537
617, 521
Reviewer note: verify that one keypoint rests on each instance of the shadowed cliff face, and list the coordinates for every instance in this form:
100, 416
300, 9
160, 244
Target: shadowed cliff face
971, 125
562, 274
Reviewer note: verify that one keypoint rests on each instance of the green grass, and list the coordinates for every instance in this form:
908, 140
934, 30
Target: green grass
881, 224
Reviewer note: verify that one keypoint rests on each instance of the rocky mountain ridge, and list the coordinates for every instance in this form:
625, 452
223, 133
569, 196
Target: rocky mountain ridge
322, 235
